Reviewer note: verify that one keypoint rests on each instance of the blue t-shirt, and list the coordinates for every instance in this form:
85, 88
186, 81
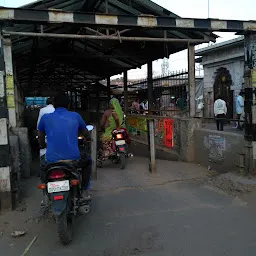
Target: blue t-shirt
61, 128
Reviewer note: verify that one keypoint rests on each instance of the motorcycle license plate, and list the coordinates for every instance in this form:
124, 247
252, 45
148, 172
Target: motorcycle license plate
120, 142
58, 186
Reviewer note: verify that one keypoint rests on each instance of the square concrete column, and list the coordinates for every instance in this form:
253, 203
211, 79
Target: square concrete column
250, 102
9, 80
5, 160
126, 92
191, 80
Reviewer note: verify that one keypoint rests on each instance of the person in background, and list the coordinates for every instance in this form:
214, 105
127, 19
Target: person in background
136, 105
180, 103
46, 110
220, 111
239, 109
113, 118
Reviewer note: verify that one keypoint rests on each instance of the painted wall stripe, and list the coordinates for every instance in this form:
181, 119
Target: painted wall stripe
124, 20
185, 23
166, 21
28, 15
218, 25
84, 19
249, 25
5, 180
3, 132
147, 21
235, 24
202, 23
61, 17
106, 19
7, 14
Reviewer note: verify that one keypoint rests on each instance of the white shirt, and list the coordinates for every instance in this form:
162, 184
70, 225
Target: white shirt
220, 107
46, 110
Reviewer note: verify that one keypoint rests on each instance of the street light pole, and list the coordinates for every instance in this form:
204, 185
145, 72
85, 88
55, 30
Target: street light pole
208, 9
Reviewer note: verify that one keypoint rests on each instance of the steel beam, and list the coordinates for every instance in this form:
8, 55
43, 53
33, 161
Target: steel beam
105, 37
26, 16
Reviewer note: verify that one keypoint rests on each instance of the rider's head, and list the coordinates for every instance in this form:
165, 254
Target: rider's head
49, 101
61, 101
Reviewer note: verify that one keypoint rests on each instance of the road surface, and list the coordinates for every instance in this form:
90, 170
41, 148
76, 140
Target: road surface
172, 214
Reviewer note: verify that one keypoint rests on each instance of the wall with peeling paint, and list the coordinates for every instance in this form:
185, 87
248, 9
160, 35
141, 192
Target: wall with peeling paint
219, 150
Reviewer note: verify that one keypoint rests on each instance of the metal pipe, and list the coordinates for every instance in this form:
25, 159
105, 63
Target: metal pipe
152, 147
94, 152
92, 37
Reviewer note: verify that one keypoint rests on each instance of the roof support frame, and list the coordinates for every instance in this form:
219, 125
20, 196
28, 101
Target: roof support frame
104, 37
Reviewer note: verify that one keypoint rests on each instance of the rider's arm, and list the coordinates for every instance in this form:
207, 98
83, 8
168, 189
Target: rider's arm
41, 133
116, 120
82, 127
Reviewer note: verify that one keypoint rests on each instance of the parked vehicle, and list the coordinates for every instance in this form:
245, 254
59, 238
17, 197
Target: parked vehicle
62, 190
120, 148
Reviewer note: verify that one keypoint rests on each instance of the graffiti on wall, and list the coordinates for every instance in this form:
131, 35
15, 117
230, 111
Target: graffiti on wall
164, 130
217, 146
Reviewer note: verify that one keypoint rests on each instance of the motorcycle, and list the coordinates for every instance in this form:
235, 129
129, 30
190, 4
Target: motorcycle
62, 190
120, 148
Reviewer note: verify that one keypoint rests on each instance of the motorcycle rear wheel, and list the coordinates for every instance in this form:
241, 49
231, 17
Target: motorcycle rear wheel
64, 228
122, 161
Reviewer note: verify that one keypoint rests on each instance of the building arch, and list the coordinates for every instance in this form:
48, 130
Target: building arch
222, 86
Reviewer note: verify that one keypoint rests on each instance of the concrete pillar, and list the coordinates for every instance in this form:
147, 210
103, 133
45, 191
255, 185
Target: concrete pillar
5, 160
9, 80
126, 92
150, 86
250, 107
191, 80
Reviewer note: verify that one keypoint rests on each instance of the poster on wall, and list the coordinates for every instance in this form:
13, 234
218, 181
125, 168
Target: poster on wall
168, 133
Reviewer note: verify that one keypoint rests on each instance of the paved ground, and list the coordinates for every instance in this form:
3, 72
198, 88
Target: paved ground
172, 214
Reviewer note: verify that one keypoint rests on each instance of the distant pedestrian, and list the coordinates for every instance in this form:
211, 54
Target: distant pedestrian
239, 109
136, 105
220, 111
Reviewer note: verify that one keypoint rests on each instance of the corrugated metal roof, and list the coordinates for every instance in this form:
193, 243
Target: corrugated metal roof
79, 62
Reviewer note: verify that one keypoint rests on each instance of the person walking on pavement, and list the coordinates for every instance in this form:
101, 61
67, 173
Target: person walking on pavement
220, 111
239, 109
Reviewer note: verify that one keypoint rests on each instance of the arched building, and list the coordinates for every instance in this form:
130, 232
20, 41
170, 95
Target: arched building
223, 65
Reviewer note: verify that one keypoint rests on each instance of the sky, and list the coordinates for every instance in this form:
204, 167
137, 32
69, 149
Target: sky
221, 9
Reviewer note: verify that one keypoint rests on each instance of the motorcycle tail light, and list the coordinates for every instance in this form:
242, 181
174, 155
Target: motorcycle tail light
41, 186
75, 182
119, 136
57, 174
56, 198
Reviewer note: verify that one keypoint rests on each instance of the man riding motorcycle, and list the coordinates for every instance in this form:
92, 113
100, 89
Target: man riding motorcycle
62, 128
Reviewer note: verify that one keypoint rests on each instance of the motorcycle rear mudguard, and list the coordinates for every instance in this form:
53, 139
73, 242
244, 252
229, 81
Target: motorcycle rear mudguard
58, 206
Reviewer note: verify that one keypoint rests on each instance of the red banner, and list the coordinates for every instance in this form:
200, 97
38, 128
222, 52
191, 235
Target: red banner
168, 133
